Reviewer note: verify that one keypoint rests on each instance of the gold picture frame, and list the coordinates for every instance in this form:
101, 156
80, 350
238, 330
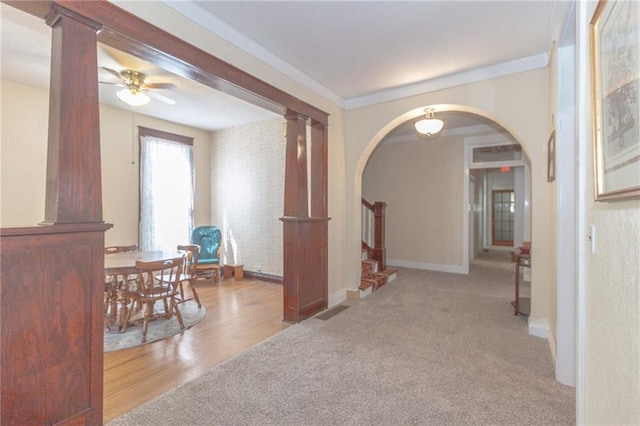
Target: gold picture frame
615, 79
551, 157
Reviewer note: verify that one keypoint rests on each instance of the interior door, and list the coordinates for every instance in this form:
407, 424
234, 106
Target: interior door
502, 214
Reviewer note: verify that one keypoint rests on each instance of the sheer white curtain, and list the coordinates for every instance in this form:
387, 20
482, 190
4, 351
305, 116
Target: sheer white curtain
166, 193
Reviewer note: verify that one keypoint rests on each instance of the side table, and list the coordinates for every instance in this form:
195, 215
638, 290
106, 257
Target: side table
521, 305
234, 270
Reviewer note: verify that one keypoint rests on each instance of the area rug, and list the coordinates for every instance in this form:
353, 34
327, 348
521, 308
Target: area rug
158, 329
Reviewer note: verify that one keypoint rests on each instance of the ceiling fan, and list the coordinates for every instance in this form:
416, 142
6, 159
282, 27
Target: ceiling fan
136, 91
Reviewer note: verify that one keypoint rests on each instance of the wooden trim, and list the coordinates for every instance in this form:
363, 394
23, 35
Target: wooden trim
319, 162
73, 153
296, 198
367, 204
173, 137
259, 276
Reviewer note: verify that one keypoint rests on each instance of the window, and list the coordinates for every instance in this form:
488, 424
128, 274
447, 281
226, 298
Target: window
166, 189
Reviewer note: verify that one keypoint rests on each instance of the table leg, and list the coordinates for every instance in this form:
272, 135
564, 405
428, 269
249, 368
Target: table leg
516, 302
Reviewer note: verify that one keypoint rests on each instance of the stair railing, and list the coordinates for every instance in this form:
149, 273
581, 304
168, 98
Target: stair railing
373, 230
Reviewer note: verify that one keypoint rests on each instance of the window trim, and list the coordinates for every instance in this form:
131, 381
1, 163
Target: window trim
146, 131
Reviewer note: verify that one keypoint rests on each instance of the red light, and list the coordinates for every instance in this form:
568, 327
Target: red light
505, 169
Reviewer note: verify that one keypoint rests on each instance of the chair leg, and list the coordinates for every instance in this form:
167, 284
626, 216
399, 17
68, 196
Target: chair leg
107, 325
148, 312
136, 305
174, 304
192, 284
181, 291
124, 312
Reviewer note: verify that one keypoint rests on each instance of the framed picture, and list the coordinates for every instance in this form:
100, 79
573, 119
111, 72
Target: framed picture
551, 157
615, 75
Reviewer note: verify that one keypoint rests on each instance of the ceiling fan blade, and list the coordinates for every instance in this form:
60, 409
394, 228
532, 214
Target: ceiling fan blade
113, 84
162, 98
114, 72
167, 86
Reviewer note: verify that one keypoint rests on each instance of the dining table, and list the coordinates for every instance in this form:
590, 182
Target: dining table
119, 269
125, 263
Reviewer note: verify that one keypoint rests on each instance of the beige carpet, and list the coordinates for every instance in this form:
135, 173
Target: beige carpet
429, 348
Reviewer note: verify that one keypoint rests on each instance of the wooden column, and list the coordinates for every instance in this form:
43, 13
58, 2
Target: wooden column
74, 188
52, 276
305, 237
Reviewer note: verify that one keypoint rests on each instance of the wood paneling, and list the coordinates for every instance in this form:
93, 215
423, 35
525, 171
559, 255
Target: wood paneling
51, 325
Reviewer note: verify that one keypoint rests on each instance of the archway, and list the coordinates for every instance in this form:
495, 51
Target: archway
442, 110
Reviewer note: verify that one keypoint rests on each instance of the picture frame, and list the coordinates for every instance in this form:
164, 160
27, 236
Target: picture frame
615, 79
551, 157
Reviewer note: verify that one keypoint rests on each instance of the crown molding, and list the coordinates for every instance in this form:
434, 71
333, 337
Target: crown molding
217, 26
479, 74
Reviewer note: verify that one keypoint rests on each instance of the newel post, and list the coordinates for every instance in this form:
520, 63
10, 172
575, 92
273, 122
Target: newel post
379, 249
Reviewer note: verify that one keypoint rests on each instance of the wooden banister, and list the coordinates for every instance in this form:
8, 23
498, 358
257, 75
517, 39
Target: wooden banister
378, 251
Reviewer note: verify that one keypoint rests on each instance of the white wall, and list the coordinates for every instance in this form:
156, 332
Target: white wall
24, 128
421, 182
247, 193
24, 152
609, 283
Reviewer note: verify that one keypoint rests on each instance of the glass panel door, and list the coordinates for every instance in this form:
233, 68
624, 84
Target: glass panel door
503, 210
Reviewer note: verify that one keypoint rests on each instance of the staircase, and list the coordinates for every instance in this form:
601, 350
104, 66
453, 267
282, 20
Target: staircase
374, 271
372, 278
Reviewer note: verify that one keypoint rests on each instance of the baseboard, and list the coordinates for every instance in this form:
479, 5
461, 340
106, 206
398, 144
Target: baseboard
554, 350
538, 328
337, 297
275, 279
456, 269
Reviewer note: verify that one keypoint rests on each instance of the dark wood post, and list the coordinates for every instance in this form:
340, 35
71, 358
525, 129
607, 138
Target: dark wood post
379, 249
305, 237
52, 276
74, 189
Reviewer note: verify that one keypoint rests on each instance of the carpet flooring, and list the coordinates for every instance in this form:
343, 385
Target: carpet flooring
158, 329
430, 348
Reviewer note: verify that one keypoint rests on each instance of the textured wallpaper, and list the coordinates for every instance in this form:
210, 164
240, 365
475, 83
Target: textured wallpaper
247, 194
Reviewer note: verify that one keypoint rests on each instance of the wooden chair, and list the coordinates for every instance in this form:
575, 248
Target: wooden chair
192, 254
157, 281
116, 291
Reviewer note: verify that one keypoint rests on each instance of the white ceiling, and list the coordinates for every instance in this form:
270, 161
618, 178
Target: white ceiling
354, 53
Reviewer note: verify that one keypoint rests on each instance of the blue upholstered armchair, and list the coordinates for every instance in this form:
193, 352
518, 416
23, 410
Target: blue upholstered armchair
208, 238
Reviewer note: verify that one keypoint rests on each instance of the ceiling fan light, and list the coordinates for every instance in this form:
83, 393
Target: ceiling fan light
133, 99
429, 126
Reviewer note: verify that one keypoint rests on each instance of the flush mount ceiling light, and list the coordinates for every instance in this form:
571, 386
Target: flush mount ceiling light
429, 125
132, 97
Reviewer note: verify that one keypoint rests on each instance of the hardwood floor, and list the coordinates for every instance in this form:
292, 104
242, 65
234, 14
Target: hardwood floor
240, 314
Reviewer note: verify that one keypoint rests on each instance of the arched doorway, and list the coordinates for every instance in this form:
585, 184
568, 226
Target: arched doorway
467, 129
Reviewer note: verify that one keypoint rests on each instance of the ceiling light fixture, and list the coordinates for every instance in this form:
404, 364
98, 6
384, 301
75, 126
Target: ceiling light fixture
132, 97
429, 125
